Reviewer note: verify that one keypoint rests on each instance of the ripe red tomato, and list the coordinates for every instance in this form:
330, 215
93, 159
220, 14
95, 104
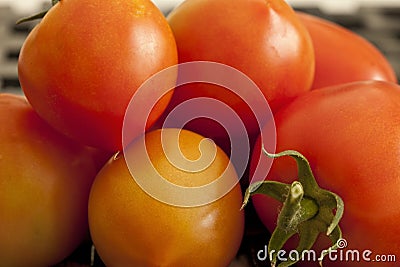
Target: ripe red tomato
131, 227
80, 66
45, 181
350, 134
342, 56
264, 40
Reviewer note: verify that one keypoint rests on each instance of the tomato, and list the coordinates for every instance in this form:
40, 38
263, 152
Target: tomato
133, 227
80, 66
263, 39
45, 181
350, 135
343, 56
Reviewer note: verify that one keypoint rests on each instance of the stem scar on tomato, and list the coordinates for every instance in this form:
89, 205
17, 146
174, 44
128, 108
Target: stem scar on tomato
38, 15
307, 210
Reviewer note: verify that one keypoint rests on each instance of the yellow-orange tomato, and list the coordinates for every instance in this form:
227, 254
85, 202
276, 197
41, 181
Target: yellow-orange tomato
81, 65
45, 181
130, 227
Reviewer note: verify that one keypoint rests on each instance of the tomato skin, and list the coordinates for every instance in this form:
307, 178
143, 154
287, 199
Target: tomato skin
80, 66
45, 181
263, 39
343, 56
350, 135
131, 228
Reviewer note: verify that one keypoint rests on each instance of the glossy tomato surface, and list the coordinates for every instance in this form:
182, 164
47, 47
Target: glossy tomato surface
343, 56
81, 65
350, 135
45, 181
131, 227
263, 39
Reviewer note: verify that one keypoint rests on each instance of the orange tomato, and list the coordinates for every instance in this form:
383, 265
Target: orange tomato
342, 56
45, 181
81, 65
130, 227
350, 135
265, 40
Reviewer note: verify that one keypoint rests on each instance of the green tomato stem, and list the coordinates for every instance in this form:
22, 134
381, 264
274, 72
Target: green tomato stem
307, 210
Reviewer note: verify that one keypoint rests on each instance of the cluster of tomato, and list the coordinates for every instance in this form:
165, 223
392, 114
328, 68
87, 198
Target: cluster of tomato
71, 160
